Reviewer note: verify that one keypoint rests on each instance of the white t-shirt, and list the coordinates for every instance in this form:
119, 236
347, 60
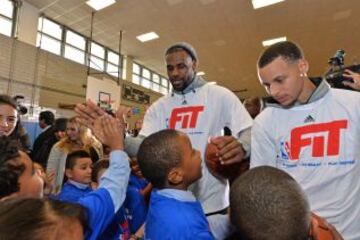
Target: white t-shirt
201, 113
319, 145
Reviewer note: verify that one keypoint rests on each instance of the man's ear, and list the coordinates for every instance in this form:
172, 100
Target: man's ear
194, 65
303, 66
175, 176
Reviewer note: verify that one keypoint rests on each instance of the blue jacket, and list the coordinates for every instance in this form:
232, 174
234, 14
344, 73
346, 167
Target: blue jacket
174, 217
135, 205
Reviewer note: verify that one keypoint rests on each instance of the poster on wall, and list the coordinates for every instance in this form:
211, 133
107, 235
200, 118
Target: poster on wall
135, 95
105, 92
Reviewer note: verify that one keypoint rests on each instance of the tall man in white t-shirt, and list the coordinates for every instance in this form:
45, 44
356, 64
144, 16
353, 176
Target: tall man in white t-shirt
200, 110
312, 132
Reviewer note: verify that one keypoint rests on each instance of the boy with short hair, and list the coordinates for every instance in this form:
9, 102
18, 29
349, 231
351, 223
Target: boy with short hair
267, 203
169, 162
78, 170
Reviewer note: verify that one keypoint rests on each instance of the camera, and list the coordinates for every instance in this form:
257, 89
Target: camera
20, 107
334, 76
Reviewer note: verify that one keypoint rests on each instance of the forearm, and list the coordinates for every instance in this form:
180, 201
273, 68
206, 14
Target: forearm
116, 178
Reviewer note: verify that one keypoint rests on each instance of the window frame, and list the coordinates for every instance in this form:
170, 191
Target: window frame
12, 19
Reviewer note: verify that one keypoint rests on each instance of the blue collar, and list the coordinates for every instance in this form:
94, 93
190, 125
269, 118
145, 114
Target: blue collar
180, 195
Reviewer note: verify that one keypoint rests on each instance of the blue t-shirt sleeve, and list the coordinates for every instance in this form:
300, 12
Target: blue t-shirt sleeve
116, 178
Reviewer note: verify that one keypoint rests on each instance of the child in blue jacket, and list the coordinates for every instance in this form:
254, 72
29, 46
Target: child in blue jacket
169, 162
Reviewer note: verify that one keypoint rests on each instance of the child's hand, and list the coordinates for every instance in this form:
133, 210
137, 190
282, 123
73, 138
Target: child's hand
113, 132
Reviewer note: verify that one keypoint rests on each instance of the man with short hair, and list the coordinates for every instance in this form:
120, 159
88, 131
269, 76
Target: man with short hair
47, 139
313, 133
46, 119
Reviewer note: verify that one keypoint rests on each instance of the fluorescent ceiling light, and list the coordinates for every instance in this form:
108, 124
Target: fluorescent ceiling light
273, 41
147, 36
263, 3
200, 73
100, 4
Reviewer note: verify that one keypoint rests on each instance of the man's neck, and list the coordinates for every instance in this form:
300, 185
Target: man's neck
308, 89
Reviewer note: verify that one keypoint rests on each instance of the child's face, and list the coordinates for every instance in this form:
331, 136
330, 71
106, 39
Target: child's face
31, 183
191, 162
8, 119
135, 169
81, 172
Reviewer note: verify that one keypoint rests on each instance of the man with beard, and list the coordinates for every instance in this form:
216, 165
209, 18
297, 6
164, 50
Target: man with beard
200, 110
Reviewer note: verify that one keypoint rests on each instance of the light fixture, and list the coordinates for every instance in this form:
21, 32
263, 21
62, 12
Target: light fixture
100, 4
264, 3
147, 36
200, 73
273, 41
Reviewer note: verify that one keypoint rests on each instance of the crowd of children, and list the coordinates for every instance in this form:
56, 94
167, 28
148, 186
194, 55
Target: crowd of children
158, 186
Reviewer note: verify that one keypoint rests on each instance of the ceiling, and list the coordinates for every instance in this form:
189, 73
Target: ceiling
226, 33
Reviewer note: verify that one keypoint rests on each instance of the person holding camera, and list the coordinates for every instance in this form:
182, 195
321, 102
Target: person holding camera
355, 77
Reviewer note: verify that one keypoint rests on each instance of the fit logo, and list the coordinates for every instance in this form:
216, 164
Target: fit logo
324, 138
186, 116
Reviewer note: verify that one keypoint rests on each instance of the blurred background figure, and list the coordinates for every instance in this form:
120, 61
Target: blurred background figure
253, 105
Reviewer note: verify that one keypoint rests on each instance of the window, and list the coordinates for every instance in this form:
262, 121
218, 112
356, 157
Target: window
49, 36
75, 46
156, 82
149, 79
164, 82
61, 40
6, 17
97, 56
136, 73
113, 64
146, 77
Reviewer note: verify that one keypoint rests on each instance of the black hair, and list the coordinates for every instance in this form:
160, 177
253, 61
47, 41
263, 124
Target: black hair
158, 154
289, 51
74, 156
267, 203
6, 99
97, 167
35, 219
10, 170
60, 124
48, 117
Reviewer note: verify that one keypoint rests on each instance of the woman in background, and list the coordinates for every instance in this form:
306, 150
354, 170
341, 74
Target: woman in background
78, 137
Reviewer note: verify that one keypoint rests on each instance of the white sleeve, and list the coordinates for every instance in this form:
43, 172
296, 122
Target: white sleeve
152, 121
237, 118
263, 148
